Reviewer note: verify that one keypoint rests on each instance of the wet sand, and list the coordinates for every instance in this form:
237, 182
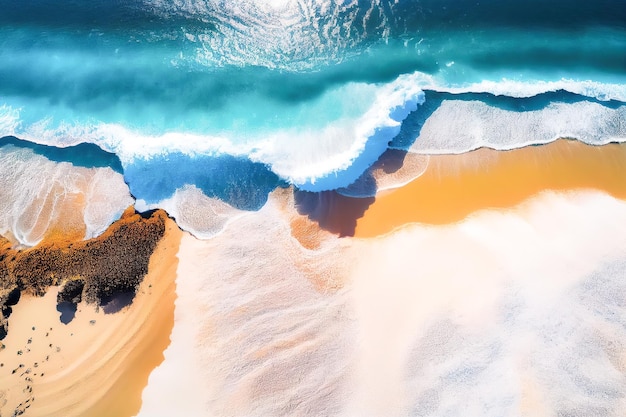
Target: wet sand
455, 186
98, 364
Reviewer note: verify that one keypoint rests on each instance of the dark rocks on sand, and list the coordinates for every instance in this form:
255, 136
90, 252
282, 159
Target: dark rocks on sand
95, 270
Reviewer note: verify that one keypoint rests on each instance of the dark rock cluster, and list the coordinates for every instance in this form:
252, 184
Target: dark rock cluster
96, 270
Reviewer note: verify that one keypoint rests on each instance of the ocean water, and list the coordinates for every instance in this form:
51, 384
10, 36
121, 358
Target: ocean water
237, 98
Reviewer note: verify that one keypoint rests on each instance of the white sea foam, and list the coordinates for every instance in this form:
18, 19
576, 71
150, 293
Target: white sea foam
303, 157
202, 216
339, 154
9, 120
413, 166
603, 91
517, 313
334, 154
459, 126
514, 88
37, 194
106, 197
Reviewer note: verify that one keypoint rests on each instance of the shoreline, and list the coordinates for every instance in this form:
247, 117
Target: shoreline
454, 187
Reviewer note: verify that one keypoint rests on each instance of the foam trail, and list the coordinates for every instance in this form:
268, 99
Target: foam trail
203, 216
458, 126
515, 88
39, 196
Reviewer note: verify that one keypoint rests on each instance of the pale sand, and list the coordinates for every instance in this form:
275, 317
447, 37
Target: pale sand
517, 312
177, 386
259, 324
455, 186
510, 313
98, 364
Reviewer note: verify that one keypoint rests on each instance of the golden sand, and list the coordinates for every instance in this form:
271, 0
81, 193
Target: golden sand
98, 364
454, 186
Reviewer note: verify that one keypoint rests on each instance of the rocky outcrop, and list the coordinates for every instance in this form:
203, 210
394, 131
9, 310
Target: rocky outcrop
95, 270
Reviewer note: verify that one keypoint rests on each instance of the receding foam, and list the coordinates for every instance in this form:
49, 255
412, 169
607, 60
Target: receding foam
39, 196
279, 343
196, 213
514, 88
458, 126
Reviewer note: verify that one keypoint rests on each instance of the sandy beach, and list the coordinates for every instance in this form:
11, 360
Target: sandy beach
518, 304
478, 291
455, 186
98, 363
457, 276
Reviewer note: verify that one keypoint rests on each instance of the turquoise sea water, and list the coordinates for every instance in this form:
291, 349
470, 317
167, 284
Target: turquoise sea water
239, 97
